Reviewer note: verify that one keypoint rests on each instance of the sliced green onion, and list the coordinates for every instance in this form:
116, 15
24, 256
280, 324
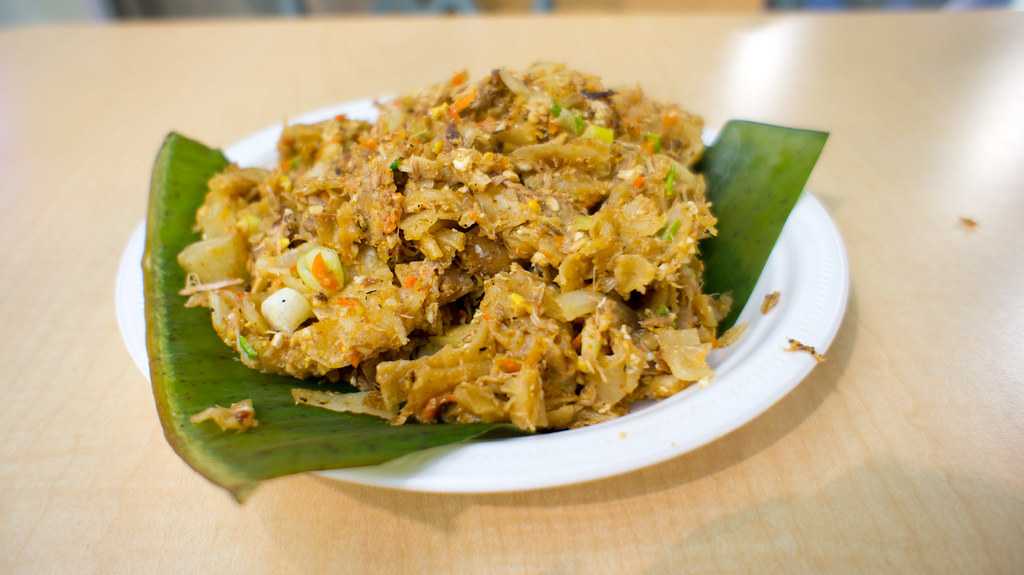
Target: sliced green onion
321, 282
668, 233
578, 124
395, 163
600, 133
670, 182
571, 121
655, 140
246, 347
556, 110
662, 310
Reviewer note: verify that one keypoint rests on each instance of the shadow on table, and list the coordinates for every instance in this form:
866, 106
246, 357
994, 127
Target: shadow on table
933, 520
761, 433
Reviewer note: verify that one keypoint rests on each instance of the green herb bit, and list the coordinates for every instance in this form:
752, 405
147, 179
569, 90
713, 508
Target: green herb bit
600, 133
556, 110
668, 233
670, 182
395, 163
578, 124
572, 121
246, 347
655, 140
662, 310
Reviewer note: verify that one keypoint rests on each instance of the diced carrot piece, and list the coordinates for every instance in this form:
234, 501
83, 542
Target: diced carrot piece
462, 103
323, 274
508, 365
368, 142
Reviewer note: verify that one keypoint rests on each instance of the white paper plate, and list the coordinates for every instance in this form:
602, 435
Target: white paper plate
808, 266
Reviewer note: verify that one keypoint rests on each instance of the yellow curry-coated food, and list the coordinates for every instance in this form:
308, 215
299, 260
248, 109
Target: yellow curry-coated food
522, 248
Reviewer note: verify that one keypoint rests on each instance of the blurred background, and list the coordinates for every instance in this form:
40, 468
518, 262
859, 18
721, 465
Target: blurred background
13, 12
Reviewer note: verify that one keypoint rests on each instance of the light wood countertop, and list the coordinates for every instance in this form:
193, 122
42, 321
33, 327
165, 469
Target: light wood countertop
904, 452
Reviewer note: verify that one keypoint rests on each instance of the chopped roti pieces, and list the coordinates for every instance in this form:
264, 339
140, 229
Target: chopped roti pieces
241, 416
521, 248
795, 345
365, 402
731, 335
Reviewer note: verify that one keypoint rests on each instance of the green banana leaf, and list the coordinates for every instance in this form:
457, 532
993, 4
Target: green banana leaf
755, 175
192, 369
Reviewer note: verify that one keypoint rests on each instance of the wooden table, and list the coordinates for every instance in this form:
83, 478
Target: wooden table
904, 452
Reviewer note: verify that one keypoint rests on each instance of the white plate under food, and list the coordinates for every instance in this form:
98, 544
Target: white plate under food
808, 266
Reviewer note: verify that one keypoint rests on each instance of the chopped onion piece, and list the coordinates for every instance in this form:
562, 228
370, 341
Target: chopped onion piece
515, 85
286, 309
685, 355
578, 303
216, 259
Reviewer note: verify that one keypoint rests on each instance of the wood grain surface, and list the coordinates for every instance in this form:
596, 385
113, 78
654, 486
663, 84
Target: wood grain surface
903, 453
